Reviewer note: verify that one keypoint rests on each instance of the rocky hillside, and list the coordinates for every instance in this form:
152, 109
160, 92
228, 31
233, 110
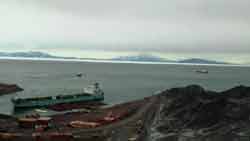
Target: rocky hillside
194, 112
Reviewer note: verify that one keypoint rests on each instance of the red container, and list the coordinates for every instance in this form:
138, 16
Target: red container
83, 124
27, 122
43, 121
8, 136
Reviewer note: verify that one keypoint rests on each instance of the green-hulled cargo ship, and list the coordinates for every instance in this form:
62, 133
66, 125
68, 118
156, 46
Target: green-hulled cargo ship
90, 94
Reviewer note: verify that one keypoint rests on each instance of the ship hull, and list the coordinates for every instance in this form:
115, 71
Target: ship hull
49, 101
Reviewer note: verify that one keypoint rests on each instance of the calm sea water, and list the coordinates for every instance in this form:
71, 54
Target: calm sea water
121, 82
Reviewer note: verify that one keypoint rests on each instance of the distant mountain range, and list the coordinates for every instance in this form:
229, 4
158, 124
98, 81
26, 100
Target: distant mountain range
138, 58
32, 54
26, 54
201, 61
151, 58
141, 58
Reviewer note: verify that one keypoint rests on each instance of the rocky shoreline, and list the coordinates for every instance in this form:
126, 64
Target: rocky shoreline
9, 88
185, 113
194, 113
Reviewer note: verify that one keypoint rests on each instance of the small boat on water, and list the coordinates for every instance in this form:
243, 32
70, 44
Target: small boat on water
93, 93
202, 71
79, 75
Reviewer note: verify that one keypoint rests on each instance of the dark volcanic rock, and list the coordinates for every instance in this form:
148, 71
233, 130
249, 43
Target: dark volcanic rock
193, 108
9, 88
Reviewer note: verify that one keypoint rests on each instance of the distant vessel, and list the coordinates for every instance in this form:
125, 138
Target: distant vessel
93, 93
202, 71
79, 75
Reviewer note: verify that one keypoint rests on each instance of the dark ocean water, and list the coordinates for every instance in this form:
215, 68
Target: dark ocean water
121, 82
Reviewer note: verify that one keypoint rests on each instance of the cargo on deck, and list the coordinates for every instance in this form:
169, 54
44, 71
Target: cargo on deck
93, 93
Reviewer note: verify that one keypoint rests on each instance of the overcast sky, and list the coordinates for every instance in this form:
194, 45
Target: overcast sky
213, 29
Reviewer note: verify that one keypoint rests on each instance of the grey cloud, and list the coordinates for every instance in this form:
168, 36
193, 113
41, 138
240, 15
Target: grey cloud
160, 9
131, 25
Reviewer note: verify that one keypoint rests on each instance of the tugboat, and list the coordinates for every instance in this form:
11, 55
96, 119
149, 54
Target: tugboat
93, 93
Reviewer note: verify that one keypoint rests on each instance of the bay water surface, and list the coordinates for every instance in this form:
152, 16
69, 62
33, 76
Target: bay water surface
121, 82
